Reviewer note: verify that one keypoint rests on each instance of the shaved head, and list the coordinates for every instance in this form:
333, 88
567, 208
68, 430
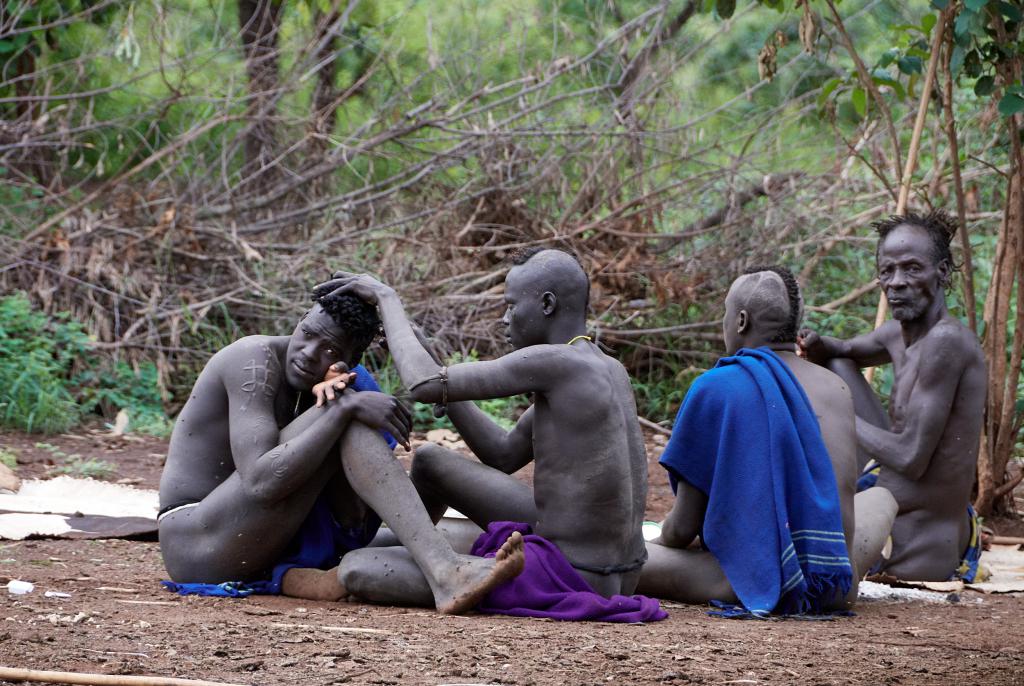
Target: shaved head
558, 272
771, 299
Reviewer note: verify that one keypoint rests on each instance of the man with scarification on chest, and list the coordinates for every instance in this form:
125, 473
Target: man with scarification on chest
265, 488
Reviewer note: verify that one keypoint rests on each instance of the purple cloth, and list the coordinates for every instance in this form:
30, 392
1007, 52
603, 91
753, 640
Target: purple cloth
550, 587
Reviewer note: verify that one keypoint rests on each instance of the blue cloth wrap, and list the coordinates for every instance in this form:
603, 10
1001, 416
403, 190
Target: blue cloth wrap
319, 543
747, 437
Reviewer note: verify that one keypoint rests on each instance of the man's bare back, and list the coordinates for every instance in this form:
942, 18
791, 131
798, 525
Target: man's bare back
590, 478
758, 314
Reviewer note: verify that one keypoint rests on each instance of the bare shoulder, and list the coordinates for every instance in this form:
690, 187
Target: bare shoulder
819, 383
249, 361
950, 344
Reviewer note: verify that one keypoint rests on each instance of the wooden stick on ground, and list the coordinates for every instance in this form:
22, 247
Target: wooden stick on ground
915, 145
654, 427
88, 679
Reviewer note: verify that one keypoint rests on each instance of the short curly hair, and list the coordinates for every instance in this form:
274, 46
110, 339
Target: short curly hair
940, 226
356, 318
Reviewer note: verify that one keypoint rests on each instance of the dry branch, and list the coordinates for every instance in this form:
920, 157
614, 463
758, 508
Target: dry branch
91, 679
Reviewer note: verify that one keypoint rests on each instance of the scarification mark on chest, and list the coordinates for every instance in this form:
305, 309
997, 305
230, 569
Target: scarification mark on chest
260, 381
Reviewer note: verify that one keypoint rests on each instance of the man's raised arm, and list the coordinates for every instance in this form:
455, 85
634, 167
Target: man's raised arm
866, 350
909, 450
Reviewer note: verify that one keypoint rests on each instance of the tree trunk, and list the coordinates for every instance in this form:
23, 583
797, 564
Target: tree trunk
1002, 421
324, 115
260, 23
1001, 379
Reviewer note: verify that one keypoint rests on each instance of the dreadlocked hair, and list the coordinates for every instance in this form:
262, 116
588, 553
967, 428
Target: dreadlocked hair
939, 225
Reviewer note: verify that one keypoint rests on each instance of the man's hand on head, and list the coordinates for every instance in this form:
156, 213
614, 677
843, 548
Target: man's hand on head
336, 380
363, 286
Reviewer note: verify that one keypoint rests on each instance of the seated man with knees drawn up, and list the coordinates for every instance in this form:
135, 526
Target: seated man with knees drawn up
263, 489
590, 483
926, 447
762, 460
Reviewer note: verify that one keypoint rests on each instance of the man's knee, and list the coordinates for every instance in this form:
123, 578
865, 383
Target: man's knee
428, 465
875, 502
354, 574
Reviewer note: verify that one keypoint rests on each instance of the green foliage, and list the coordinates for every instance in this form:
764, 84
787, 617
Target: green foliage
36, 354
40, 391
9, 457
123, 388
75, 465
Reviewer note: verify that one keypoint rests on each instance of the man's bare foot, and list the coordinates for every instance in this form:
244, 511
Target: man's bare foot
475, 576
312, 584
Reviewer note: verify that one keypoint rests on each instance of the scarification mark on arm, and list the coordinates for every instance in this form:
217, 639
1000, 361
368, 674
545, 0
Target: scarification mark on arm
278, 466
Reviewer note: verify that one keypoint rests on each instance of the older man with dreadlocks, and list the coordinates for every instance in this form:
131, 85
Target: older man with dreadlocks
924, 450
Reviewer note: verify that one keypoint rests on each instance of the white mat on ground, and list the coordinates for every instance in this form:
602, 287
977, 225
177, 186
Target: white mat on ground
1006, 564
66, 507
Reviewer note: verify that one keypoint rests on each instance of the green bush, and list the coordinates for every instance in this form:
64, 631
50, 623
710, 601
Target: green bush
36, 354
137, 392
40, 390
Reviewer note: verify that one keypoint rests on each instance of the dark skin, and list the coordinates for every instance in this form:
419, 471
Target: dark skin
256, 472
581, 431
689, 574
928, 447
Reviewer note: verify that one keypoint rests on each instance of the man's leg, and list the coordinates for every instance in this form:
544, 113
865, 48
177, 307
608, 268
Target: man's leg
686, 575
457, 582
229, 536
444, 478
874, 512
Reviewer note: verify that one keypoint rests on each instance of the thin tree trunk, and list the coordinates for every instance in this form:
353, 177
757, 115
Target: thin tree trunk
1008, 266
958, 186
260, 23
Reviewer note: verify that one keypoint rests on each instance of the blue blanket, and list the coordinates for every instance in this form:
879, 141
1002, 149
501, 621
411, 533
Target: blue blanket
319, 543
748, 438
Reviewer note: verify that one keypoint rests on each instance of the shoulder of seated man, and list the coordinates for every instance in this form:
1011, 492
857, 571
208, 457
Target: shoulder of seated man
947, 342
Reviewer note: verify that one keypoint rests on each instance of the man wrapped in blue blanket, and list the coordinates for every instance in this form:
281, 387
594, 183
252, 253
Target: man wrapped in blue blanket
762, 460
264, 490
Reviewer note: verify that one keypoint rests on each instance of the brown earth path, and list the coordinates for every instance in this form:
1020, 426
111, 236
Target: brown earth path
119, 621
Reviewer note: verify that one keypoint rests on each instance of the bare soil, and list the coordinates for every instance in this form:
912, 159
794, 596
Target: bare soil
118, 620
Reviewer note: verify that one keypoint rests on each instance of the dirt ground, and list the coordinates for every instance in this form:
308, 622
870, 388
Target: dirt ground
118, 620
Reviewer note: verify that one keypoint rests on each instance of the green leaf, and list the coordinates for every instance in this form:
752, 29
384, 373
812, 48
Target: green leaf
928, 23
725, 8
1011, 104
6, 46
910, 65
829, 86
962, 29
975, 5
1011, 12
860, 101
827, 89
940, 4
984, 86
888, 57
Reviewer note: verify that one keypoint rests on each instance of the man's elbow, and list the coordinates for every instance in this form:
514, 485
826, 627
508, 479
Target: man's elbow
262, 491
